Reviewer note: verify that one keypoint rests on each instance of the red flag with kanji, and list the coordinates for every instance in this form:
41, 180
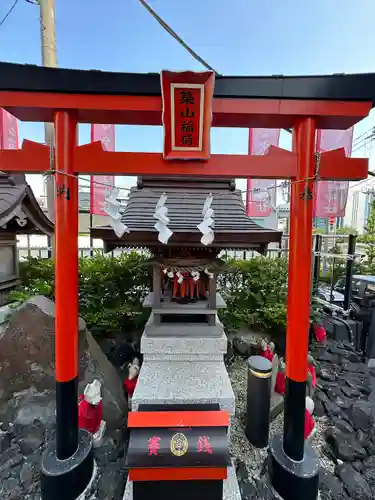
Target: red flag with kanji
261, 193
331, 196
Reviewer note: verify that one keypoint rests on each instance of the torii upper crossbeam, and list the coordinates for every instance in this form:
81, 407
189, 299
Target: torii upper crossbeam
304, 104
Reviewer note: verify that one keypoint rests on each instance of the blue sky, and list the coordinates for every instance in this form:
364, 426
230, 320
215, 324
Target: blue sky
235, 37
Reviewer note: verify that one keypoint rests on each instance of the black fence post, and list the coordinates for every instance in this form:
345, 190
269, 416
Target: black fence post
349, 271
316, 273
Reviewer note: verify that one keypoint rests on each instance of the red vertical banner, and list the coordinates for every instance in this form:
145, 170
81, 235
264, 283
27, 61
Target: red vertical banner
331, 196
8, 130
100, 184
261, 193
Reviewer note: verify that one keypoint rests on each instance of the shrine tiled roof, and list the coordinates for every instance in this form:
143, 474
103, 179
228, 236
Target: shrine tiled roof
232, 227
19, 209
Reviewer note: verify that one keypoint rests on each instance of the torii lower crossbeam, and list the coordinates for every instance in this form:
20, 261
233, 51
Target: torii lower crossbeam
294, 466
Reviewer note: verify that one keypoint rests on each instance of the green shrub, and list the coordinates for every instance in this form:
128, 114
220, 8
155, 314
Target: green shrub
110, 289
255, 291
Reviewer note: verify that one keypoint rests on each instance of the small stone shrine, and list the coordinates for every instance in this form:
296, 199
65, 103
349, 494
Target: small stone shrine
20, 213
184, 343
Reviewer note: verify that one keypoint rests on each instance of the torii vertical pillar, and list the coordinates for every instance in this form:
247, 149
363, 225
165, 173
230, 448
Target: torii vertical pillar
67, 465
295, 467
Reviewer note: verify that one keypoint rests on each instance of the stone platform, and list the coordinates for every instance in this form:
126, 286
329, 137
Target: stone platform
187, 329
179, 382
157, 348
231, 488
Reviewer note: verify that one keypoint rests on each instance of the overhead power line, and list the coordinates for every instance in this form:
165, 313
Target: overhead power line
169, 30
360, 138
361, 141
9, 12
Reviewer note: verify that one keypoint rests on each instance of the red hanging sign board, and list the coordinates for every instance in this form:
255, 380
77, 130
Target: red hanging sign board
187, 114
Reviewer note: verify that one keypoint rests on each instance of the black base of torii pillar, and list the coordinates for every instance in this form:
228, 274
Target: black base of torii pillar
68, 464
68, 479
294, 480
294, 465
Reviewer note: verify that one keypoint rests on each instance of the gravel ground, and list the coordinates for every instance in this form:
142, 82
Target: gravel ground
240, 447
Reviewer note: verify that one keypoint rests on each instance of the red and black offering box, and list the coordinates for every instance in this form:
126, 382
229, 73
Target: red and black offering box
178, 454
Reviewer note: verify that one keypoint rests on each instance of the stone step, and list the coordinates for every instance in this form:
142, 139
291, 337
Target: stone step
183, 329
182, 345
231, 488
205, 358
179, 382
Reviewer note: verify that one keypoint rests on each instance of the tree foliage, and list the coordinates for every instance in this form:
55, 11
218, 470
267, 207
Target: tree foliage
255, 291
110, 289
368, 238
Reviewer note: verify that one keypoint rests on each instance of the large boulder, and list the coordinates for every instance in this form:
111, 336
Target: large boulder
27, 359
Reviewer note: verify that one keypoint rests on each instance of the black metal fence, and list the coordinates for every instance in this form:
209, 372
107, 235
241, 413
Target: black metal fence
42, 253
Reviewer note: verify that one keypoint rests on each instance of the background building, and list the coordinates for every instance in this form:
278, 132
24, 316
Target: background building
358, 207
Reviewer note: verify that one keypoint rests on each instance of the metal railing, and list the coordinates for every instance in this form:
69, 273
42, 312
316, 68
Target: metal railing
42, 252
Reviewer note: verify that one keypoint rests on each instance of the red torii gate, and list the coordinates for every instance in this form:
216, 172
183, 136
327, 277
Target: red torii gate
67, 97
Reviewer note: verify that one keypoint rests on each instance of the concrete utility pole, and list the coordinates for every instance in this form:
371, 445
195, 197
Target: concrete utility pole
49, 58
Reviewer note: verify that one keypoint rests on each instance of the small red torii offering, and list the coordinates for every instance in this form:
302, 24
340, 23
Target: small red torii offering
304, 104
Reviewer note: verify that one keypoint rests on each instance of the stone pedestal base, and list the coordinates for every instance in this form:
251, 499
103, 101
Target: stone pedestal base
184, 382
294, 480
67, 479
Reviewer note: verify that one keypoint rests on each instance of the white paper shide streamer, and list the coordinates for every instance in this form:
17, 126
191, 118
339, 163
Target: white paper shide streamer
209, 274
111, 207
180, 278
161, 214
196, 275
206, 226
